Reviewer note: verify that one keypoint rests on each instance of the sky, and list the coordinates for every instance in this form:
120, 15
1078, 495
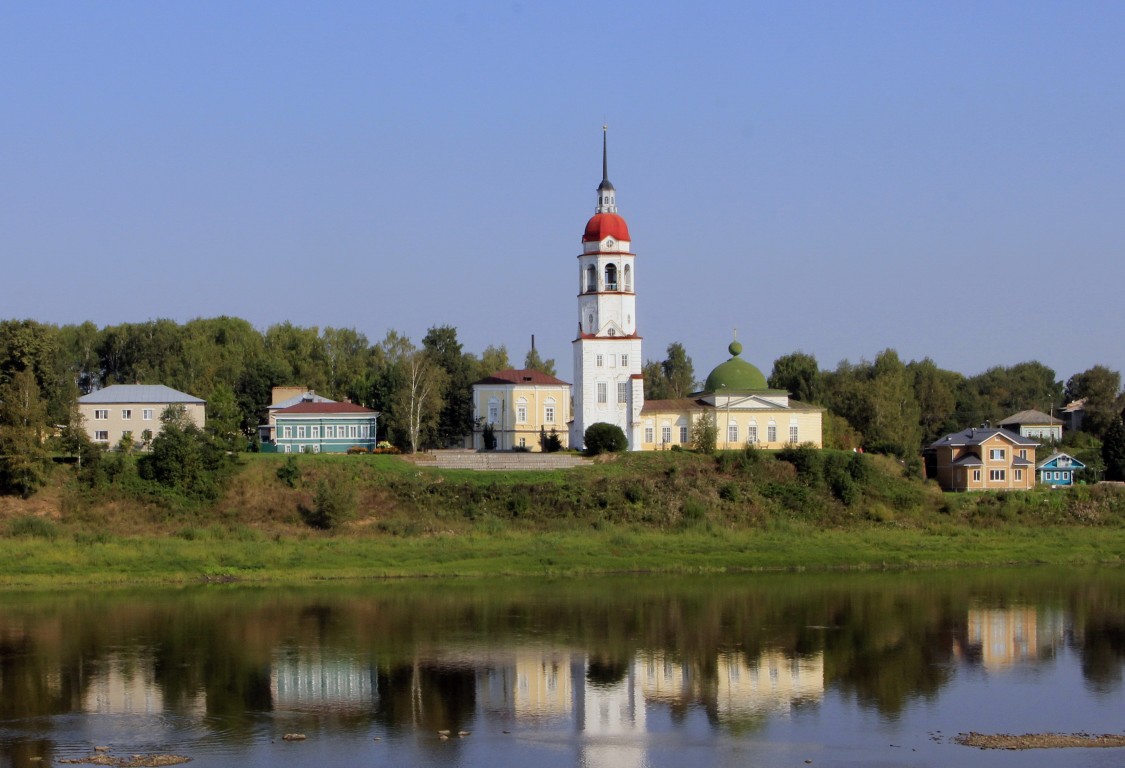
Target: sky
946, 179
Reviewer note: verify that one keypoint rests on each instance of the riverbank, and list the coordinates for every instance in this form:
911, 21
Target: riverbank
671, 513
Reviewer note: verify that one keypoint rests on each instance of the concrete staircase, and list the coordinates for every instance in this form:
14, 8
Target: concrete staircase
500, 461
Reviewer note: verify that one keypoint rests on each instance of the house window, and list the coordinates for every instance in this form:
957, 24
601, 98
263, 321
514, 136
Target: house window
549, 413
622, 392
288, 432
316, 449
665, 434
300, 432
611, 277
1023, 453
976, 475
493, 412
146, 414
288, 449
353, 431
521, 411
752, 434
771, 433
648, 434
1018, 474
330, 431
683, 434
523, 442
997, 474
314, 432
126, 413
598, 361
732, 433
793, 434
996, 454
624, 361
101, 415
603, 392
101, 436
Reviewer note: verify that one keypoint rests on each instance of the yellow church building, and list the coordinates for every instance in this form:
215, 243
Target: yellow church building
741, 405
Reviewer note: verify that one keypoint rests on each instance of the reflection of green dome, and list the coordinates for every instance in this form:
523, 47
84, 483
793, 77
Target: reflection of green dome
735, 374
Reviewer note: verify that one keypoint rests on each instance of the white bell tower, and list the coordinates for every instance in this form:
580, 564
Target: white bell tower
607, 351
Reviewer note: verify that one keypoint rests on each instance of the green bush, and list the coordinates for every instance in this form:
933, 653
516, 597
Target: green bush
289, 473
30, 526
605, 438
333, 505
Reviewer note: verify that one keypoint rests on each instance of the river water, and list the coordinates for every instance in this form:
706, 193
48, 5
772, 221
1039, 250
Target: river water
757, 670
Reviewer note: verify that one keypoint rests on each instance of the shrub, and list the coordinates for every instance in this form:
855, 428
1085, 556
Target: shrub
808, 461
333, 505
356, 450
549, 443
289, 473
31, 526
605, 438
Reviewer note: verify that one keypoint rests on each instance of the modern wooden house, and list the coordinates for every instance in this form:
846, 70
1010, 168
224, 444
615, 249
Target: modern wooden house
982, 459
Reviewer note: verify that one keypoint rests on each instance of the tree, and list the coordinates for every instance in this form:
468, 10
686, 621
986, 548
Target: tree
704, 433
678, 371
456, 417
417, 402
533, 363
604, 438
1101, 389
549, 443
935, 391
182, 457
24, 464
1113, 450
493, 359
878, 400
224, 418
798, 374
656, 388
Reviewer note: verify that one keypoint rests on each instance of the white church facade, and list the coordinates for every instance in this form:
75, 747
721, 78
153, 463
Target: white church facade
608, 383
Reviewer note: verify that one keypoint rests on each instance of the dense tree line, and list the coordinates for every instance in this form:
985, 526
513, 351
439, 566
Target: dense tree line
425, 391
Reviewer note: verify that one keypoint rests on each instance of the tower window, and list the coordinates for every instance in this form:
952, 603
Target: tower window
591, 279
611, 277
628, 278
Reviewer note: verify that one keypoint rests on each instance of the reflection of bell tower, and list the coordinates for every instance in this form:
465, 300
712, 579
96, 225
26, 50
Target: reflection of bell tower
607, 350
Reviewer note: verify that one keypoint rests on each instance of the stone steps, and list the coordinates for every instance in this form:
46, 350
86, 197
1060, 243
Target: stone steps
504, 462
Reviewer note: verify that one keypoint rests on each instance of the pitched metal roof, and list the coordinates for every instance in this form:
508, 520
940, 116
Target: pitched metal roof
980, 435
139, 393
521, 376
1031, 416
1050, 460
332, 408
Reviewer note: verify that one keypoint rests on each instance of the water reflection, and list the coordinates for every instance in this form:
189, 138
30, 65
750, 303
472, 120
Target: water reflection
610, 662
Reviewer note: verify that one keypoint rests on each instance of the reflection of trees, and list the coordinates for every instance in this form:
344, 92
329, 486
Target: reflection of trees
884, 639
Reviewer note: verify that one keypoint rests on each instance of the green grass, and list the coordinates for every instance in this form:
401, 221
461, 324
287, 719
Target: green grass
674, 512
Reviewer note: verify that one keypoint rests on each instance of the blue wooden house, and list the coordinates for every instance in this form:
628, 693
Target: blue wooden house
1057, 470
320, 427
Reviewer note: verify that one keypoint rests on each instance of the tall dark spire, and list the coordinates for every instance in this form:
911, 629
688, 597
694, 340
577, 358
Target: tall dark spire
607, 196
605, 155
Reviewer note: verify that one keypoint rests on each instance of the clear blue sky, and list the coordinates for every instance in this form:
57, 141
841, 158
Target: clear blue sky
946, 178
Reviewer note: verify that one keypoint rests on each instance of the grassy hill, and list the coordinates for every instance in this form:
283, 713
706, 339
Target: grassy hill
674, 511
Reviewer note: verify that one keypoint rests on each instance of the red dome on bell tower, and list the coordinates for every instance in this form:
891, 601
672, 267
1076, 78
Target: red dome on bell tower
603, 225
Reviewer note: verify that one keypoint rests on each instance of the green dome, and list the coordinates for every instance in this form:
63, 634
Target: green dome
735, 375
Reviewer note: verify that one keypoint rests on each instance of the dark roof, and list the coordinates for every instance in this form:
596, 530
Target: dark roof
328, 408
521, 376
1031, 416
968, 460
979, 435
675, 404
